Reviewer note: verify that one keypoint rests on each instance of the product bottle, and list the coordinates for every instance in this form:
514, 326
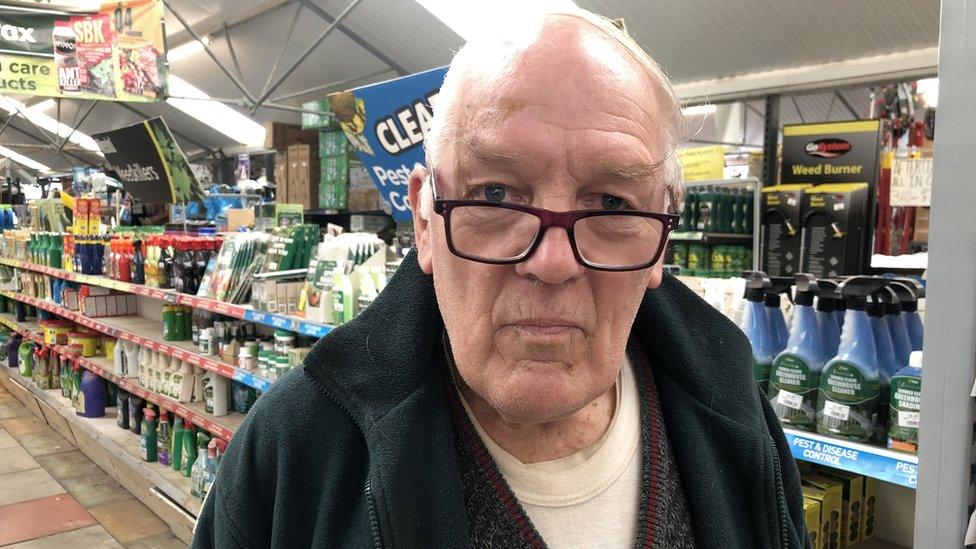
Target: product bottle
164, 266
76, 394
909, 310
163, 439
777, 322
124, 261
795, 374
850, 382
176, 445
122, 410
148, 446
91, 400
12, 350
906, 404
896, 327
367, 289
213, 462
342, 297
137, 263
198, 475
136, 405
189, 449
216, 394
827, 297
887, 362
169, 322
755, 324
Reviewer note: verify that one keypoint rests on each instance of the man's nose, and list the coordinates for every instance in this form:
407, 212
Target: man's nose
553, 261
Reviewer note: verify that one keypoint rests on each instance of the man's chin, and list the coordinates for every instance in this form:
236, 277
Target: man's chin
542, 399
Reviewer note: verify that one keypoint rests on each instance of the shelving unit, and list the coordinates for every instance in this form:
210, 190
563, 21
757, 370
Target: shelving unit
864, 459
750, 183
243, 312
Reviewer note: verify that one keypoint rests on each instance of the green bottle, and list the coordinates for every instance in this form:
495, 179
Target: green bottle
198, 475
170, 330
189, 450
176, 451
148, 444
748, 212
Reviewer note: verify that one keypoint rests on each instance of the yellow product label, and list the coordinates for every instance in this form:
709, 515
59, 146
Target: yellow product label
853, 503
837, 188
816, 201
855, 126
787, 187
811, 516
870, 508
830, 495
772, 200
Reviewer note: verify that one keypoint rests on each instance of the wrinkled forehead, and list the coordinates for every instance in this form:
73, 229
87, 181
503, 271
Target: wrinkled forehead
572, 78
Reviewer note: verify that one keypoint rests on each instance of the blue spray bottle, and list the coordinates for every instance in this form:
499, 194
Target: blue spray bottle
827, 299
777, 322
888, 363
795, 374
896, 322
755, 324
849, 383
909, 310
906, 405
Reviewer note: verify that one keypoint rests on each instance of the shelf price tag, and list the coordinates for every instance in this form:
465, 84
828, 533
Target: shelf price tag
170, 297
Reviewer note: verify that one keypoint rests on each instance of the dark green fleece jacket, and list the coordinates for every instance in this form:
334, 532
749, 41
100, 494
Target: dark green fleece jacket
356, 448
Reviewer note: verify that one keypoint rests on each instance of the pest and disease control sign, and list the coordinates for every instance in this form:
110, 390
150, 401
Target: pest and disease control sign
113, 51
386, 124
150, 163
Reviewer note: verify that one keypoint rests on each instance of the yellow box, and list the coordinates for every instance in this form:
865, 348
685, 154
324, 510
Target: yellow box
830, 494
853, 505
811, 515
870, 508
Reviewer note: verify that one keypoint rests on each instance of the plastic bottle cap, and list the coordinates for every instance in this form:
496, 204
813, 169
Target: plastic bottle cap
915, 359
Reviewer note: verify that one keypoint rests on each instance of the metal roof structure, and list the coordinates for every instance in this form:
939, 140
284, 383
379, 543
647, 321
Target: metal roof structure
715, 51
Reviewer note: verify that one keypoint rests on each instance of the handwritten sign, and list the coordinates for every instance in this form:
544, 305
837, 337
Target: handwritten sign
911, 182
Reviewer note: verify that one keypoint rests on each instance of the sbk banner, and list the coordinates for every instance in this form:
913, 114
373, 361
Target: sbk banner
386, 123
115, 51
150, 163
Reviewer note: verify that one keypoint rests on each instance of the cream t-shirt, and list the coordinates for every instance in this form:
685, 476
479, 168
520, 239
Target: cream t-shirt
588, 499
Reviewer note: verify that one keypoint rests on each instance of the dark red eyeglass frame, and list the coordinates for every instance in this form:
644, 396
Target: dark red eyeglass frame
549, 218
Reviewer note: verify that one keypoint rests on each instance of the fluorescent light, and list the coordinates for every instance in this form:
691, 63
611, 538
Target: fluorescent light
183, 51
213, 113
469, 19
42, 105
23, 160
699, 110
928, 89
45, 122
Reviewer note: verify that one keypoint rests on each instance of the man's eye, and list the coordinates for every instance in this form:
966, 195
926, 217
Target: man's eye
495, 193
612, 202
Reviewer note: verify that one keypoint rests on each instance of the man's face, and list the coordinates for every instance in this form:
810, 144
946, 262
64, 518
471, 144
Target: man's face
573, 128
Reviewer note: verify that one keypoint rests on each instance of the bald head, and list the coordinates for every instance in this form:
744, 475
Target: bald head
576, 59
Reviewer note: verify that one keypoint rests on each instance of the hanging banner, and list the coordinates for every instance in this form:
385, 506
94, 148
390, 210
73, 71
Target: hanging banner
386, 124
702, 163
150, 163
116, 52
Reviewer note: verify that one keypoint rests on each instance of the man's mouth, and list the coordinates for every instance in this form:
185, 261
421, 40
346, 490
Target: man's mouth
546, 327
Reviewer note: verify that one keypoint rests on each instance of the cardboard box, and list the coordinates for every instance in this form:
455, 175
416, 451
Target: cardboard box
364, 200
239, 217
359, 178
279, 135
830, 494
334, 169
333, 144
281, 172
333, 196
869, 516
853, 503
811, 516
323, 120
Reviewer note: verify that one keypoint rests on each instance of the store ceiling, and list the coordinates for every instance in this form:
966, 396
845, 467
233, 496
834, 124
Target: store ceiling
694, 40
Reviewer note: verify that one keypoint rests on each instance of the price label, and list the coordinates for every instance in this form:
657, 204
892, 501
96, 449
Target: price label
836, 410
910, 420
790, 400
170, 298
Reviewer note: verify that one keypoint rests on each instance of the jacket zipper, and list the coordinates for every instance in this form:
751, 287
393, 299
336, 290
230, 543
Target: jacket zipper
784, 536
374, 525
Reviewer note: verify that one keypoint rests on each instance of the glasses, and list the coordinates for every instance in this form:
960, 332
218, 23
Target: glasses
504, 234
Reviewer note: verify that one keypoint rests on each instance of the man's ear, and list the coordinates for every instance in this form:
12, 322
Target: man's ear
421, 221
657, 273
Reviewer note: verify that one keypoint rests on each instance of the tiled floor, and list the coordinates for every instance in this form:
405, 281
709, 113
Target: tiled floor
52, 495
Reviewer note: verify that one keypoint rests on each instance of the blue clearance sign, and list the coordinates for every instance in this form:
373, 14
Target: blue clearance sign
863, 459
386, 124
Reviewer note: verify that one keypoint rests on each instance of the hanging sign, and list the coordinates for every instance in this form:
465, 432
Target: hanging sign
836, 152
150, 163
386, 124
911, 182
113, 52
702, 163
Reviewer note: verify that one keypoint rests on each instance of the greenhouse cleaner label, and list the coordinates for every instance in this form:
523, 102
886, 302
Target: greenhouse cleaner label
847, 405
906, 401
793, 391
760, 371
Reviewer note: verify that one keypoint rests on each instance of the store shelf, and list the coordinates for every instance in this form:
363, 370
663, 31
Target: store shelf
220, 426
148, 333
274, 320
717, 238
121, 444
864, 459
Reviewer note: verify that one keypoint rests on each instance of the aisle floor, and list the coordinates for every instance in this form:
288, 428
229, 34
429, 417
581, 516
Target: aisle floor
52, 495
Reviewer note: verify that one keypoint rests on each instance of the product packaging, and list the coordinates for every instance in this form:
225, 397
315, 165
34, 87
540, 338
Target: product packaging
830, 495
780, 233
853, 504
811, 516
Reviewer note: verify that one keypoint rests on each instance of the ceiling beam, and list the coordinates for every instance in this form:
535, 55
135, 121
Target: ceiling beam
181, 37
893, 67
314, 8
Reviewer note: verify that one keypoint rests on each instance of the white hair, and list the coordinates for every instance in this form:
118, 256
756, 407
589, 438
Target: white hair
493, 56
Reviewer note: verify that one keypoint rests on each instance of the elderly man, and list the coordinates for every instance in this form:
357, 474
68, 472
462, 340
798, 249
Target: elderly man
529, 377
